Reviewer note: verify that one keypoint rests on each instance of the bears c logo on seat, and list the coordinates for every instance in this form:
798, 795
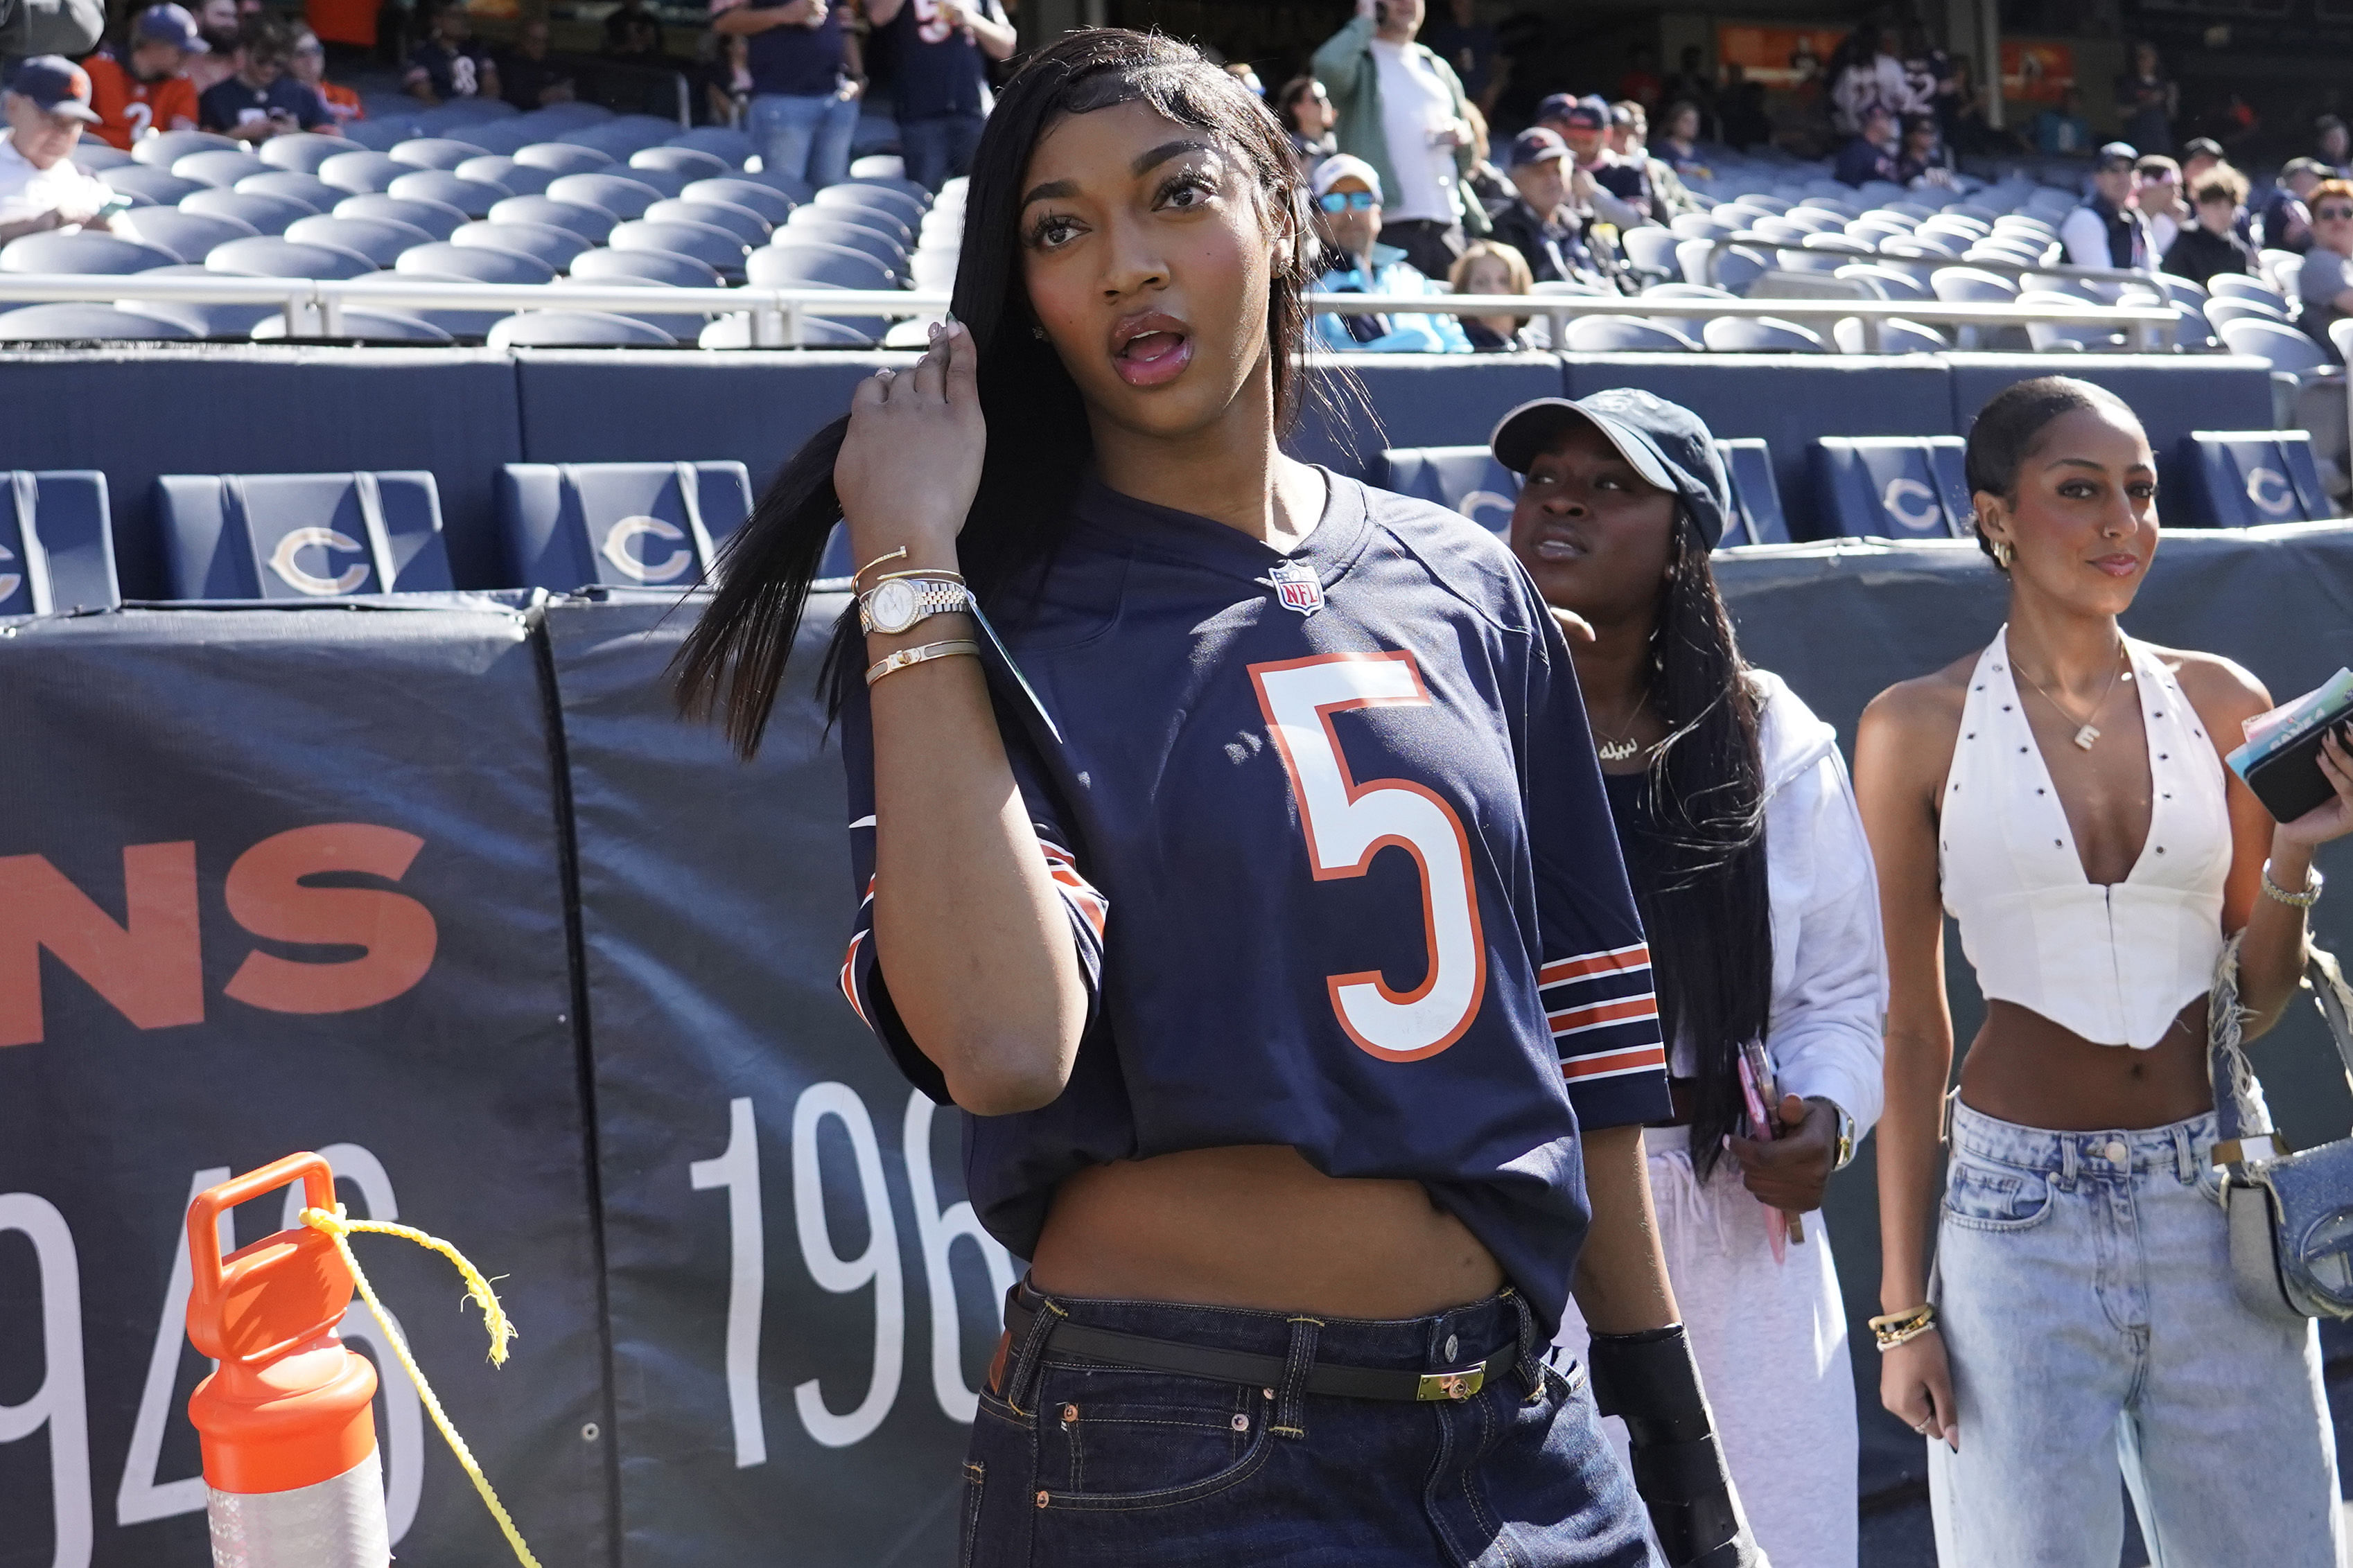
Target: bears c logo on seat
287, 561
638, 561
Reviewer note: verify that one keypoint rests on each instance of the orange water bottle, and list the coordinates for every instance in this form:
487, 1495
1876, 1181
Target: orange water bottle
292, 1476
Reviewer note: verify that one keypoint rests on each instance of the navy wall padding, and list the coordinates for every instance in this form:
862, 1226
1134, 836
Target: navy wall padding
2238, 479
1787, 399
57, 550
2173, 395
136, 414
609, 405
1416, 400
300, 536
1893, 487
1757, 515
1467, 479
562, 521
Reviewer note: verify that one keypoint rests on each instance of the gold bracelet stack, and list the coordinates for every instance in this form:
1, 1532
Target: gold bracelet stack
891, 663
1900, 1327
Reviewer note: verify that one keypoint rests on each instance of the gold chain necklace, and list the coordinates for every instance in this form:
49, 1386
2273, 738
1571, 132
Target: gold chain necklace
2086, 733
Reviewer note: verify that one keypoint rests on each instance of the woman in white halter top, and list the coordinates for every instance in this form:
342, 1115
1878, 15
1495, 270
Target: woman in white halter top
2062, 794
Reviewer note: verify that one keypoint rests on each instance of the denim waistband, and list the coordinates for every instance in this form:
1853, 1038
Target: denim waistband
1468, 1332
2178, 1149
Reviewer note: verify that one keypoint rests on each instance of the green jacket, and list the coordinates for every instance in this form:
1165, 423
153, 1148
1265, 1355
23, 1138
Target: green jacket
1352, 79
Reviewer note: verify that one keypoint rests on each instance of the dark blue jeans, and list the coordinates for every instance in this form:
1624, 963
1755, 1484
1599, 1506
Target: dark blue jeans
939, 147
1078, 1461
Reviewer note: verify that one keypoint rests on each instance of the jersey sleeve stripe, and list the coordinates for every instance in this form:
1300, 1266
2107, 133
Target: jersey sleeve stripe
850, 979
1600, 1014
1586, 965
1614, 1064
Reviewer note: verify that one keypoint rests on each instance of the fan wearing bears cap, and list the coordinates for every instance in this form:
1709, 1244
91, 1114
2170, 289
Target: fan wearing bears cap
48, 108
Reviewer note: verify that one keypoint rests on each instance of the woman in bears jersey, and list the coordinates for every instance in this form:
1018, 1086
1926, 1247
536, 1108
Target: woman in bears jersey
1261, 912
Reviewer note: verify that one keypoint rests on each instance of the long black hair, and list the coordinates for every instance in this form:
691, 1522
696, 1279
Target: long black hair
1040, 444
1699, 845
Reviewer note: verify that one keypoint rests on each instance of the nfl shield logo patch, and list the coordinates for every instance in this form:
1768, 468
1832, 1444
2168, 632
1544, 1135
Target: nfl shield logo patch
1296, 587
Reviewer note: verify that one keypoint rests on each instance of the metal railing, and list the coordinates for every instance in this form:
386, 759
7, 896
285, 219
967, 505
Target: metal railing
314, 308
2001, 267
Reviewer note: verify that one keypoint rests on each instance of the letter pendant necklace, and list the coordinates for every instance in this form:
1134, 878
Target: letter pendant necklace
1619, 750
2086, 733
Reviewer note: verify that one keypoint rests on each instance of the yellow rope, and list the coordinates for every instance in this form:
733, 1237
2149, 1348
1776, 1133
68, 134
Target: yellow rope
338, 1227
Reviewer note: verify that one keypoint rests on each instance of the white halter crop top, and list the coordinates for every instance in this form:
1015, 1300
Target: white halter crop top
2114, 963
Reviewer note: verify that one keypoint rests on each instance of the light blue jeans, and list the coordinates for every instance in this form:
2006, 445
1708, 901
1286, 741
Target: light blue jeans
2085, 1299
807, 138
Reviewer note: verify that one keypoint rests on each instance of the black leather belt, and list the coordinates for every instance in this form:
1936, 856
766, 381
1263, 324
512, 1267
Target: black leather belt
1265, 1371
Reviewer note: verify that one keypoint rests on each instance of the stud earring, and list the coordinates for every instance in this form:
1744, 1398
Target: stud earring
2002, 553
1038, 333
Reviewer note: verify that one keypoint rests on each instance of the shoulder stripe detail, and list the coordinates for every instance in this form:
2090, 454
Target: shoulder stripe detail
866, 821
1601, 1014
1616, 1064
1586, 965
850, 980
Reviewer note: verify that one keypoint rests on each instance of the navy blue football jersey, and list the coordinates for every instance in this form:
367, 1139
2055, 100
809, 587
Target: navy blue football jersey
1338, 864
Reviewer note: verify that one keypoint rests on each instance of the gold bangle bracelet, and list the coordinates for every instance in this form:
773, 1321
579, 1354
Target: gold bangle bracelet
1897, 1328
898, 554
940, 572
891, 663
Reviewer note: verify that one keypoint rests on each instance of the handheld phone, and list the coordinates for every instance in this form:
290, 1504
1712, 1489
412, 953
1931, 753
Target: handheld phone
117, 201
1760, 1094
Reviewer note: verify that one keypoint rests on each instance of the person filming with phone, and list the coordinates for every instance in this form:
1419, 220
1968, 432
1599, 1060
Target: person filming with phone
47, 104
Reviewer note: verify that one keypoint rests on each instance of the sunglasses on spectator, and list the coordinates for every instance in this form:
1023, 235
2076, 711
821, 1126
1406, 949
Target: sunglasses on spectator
1345, 201
2329, 215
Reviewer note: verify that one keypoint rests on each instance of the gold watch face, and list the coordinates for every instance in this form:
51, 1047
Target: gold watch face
892, 606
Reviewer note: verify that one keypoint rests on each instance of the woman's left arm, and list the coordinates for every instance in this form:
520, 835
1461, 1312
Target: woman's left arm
1621, 1275
2271, 951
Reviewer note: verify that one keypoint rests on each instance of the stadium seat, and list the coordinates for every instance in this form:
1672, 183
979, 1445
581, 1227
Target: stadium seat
1884, 281
494, 169
201, 321
557, 246
481, 263
86, 252
562, 158
817, 332
1756, 516
2224, 309
186, 235
57, 543
89, 156
380, 239
301, 150
892, 221
685, 325
1897, 336
300, 536
475, 198
668, 181
219, 167
714, 246
362, 173
623, 134
798, 191
769, 204
367, 326
268, 215
621, 524
788, 263
591, 226
70, 322
272, 255
576, 328
1606, 335
474, 324
433, 217
688, 161
817, 225
433, 152
741, 222
1760, 334
2225, 285
2282, 345
730, 146
1893, 487
2241, 478
158, 186
1465, 479
166, 148
909, 192
309, 189
615, 194
645, 267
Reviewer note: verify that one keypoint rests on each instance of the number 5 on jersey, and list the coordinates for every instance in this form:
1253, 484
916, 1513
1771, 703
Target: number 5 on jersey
1348, 822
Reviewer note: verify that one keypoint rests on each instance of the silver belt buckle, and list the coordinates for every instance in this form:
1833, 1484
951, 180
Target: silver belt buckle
1457, 1385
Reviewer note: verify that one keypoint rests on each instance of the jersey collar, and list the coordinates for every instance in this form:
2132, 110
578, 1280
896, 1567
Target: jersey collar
1121, 520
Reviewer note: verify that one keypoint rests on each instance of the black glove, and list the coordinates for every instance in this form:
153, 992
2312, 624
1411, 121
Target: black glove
1649, 1380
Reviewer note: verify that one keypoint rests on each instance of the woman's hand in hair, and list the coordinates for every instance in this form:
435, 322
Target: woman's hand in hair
1915, 1386
1790, 1172
911, 461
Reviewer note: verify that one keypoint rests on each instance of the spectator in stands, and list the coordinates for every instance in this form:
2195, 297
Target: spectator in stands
216, 24
804, 95
1864, 75
2210, 246
1471, 48
1630, 138
1680, 146
1921, 158
632, 32
2326, 279
2157, 187
528, 77
2199, 155
1540, 223
2109, 230
1584, 124
261, 101
2147, 100
1489, 188
726, 77
141, 92
2329, 137
307, 64
1692, 82
2061, 130
1486, 266
1306, 111
448, 64
941, 49
1401, 110
47, 106
2283, 222
1347, 193
1971, 134
1870, 153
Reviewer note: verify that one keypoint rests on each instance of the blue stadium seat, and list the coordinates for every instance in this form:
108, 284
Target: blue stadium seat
737, 191
1893, 487
166, 148
562, 158
57, 543
1756, 517
435, 218
668, 181
362, 173
575, 329
593, 224
187, 235
433, 151
621, 524
616, 194
158, 186
893, 222
741, 222
219, 167
1466, 479
309, 189
495, 169
2241, 478
730, 146
690, 161
300, 151
300, 536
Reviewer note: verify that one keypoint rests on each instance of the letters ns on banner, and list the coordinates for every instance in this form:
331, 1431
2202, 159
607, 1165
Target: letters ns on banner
149, 966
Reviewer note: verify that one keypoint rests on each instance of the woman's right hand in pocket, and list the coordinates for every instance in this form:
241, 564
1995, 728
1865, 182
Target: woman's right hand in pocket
1915, 1385
909, 463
